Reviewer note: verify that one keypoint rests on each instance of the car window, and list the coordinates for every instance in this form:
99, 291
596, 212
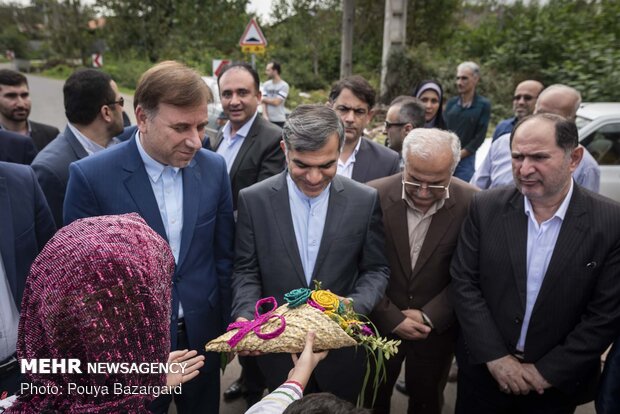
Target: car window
604, 144
581, 121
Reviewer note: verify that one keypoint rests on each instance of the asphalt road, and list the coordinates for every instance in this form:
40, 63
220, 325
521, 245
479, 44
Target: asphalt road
47, 107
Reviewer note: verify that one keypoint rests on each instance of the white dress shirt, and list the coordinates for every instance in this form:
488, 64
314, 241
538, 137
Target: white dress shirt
346, 168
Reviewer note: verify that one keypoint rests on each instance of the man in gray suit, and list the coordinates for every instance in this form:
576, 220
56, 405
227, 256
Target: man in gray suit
535, 281
309, 224
94, 108
361, 159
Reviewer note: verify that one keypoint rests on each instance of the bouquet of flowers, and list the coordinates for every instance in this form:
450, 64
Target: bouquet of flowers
284, 329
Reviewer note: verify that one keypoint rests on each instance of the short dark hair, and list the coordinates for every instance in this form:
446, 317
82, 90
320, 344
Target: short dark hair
358, 86
411, 110
323, 403
276, 66
172, 83
309, 127
85, 92
12, 78
243, 66
566, 133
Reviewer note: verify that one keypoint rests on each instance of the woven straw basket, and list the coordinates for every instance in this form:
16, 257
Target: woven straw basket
329, 335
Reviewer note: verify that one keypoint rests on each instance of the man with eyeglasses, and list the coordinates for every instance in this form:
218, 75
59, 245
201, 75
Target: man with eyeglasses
404, 114
361, 159
468, 116
523, 104
496, 169
423, 208
94, 109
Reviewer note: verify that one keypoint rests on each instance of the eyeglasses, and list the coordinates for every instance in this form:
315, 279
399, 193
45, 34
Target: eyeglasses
389, 125
358, 112
438, 189
121, 102
526, 98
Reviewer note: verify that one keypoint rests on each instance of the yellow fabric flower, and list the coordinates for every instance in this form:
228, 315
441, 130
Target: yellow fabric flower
326, 299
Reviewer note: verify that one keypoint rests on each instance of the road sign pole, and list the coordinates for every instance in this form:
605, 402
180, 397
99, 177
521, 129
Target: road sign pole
253, 61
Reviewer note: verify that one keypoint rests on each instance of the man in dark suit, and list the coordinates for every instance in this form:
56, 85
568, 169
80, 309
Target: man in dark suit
249, 143
535, 281
94, 108
423, 209
15, 108
309, 224
608, 398
183, 192
361, 159
16, 148
26, 224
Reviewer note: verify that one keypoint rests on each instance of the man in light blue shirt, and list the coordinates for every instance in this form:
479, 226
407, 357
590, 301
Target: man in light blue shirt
310, 224
535, 281
496, 169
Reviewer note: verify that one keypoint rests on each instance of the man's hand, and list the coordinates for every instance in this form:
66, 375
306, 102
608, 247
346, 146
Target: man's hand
536, 381
180, 376
247, 353
412, 327
509, 374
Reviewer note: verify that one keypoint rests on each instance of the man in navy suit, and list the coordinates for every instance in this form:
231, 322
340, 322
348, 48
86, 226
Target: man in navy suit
361, 159
94, 108
183, 193
26, 224
16, 148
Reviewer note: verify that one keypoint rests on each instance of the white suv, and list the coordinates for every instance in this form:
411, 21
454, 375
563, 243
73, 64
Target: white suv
599, 132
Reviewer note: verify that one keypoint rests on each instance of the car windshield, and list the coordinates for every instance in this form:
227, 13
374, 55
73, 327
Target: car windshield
581, 121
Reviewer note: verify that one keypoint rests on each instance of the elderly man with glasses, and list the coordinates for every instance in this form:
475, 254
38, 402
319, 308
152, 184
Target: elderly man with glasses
423, 208
94, 109
361, 159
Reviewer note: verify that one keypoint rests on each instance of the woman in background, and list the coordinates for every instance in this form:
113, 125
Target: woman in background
430, 93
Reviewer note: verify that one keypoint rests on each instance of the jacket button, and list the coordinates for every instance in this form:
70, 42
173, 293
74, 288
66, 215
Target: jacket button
517, 320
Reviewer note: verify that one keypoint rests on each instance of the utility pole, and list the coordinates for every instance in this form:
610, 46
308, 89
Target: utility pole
346, 51
394, 33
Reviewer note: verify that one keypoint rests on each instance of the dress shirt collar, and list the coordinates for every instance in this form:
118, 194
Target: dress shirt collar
154, 168
27, 123
303, 197
90, 146
560, 212
242, 132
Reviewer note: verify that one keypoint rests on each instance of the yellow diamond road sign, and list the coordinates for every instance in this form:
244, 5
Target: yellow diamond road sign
253, 40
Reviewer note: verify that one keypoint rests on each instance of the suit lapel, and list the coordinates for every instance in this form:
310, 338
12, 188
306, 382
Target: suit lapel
218, 139
572, 232
140, 190
335, 212
247, 143
78, 149
7, 246
515, 225
440, 223
280, 207
191, 203
395, 216
362, 164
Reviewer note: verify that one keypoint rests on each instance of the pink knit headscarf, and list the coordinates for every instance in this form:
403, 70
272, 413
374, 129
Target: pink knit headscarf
100, 292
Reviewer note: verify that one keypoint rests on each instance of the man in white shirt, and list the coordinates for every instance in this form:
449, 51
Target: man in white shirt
275, 91
535, 281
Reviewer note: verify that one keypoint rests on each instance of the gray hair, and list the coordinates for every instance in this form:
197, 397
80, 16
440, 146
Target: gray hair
309, 127
472, 66
426, 143
412, 111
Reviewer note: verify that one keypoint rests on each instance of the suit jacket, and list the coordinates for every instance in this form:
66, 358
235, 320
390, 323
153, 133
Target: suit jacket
259, 157
26, 224
42, 134
350, 261
202, 276
577, 310
608, 399
16, 148
374, 161
426, 286
51, 166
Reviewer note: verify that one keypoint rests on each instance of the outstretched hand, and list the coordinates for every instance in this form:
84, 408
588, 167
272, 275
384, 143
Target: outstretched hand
306, 362
189, 372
